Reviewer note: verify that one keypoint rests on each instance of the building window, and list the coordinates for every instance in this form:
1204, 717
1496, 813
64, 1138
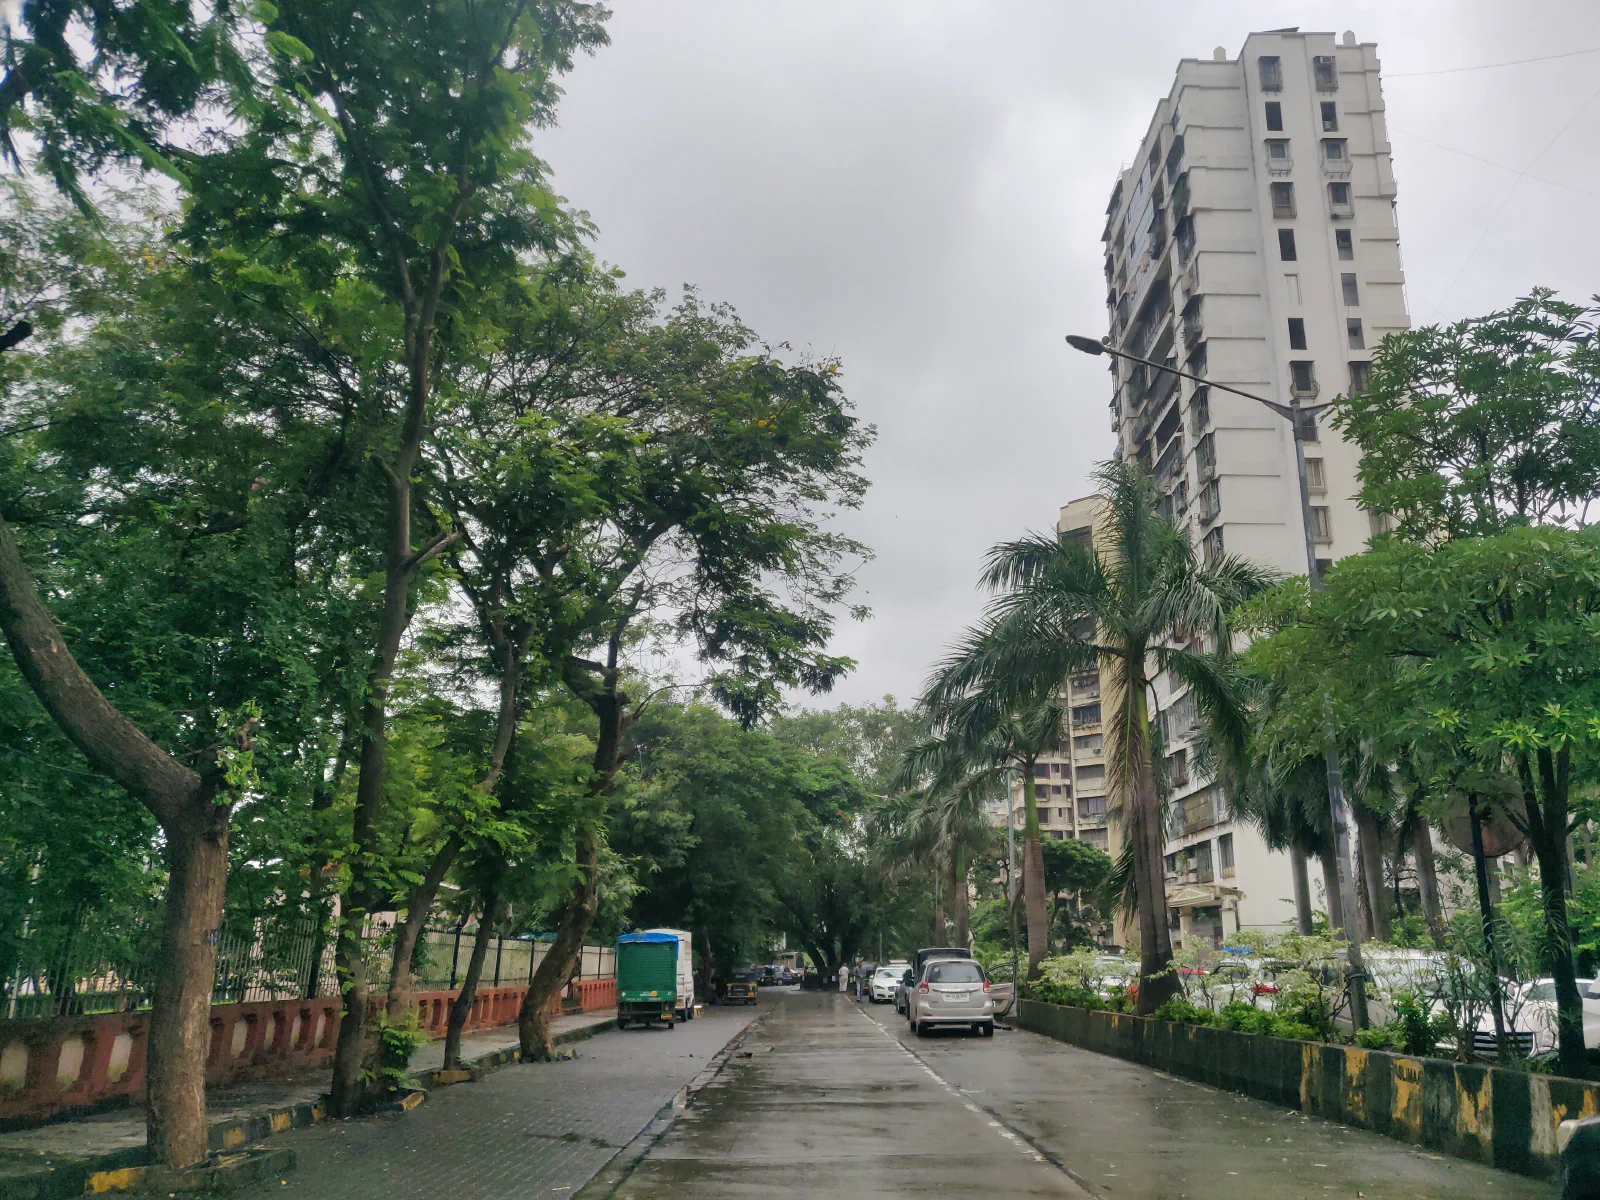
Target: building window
1088, 744
1086, 714
1286, 250
1278, 160
1271, 73
1347, 285
1098, 838
1303, 377
1210, 501
1211, 545
1178, 768
1297, 333
1225, 855
1339, 199
1205, 455
1197, 359
1091, 806
1345, 243
1044, 816
1283, 200
1041, 770
1377, 522
1359, 377
1358, 340
1199, 410
1330, 117
1274, 117
1334, 150
1316, 481
1321, 527
1291, 288
1308, 427
1326, 72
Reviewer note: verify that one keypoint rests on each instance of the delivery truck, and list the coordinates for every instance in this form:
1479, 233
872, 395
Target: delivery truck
649, 991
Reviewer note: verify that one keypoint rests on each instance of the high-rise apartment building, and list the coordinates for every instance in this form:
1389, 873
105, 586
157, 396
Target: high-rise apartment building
1252, 242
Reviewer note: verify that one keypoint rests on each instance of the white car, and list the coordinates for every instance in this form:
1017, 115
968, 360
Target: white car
1530, 1014
884, 980
952, 991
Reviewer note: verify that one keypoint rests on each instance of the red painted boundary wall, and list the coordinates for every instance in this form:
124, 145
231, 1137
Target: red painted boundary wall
57, 1066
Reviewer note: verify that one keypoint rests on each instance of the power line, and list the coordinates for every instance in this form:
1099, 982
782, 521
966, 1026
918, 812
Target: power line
1489, 162
1515, 62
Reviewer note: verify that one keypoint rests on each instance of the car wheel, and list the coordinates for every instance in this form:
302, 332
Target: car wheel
988, 1030
920, 1029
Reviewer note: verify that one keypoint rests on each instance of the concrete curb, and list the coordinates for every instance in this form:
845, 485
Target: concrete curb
614, 1174
472, 1070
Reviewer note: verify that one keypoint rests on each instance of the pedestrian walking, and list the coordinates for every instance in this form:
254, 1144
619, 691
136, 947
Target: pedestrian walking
844, 977
858, 981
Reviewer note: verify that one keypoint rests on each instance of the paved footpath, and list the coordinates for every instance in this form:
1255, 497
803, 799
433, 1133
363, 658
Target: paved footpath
537, 1130
838, 1099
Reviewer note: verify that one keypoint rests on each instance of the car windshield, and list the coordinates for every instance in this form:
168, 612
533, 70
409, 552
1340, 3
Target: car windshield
1545, 989
955, 972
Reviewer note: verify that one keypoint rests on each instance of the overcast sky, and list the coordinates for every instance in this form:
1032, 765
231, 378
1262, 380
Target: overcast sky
919, 187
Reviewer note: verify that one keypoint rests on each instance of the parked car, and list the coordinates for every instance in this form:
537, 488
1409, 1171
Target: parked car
884, 981
1530, 1013
787, 975
951, 991
769, 976
913, 972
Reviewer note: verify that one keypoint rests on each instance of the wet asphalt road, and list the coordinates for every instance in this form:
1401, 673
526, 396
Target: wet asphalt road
838, 1099
820, 1101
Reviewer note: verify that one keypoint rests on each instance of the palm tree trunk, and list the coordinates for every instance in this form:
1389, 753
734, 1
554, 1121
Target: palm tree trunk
1033, 875
1428, 881
1330, 887
1158, 982
958, 896
939, 934
1372, 870
1302, 889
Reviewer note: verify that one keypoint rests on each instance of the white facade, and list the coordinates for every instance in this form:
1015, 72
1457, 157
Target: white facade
1252, 242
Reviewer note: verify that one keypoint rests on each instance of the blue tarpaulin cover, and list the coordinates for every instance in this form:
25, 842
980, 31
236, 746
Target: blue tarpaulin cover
648, 937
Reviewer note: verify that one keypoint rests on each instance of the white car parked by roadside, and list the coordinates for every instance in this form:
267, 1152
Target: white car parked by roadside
884, 980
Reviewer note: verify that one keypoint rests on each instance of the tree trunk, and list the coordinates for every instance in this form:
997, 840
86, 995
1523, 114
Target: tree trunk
1033, 875
1547, 831
180, 1016
1377, 898
958, 896
419, 903
533, 1021
1302, 890
1158, 982
195, 824
1428, 881
940, 935
1330, 887
461, 1006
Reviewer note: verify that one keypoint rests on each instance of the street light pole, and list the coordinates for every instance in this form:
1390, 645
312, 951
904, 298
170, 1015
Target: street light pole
1338, 803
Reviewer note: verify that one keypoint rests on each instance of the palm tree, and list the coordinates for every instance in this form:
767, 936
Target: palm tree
1129, 602
977, 748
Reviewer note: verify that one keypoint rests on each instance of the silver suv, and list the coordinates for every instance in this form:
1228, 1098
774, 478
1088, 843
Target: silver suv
952, 991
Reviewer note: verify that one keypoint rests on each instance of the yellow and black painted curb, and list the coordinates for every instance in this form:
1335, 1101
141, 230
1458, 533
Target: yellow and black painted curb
1502, 1118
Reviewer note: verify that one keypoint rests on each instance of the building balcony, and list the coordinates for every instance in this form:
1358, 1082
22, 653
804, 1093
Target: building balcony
1194, 330
1338, 168
1282, 165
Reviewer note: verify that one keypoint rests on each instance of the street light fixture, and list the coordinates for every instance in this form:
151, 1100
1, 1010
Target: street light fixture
1338, 804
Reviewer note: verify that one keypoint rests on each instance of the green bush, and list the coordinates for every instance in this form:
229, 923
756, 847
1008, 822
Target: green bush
1179, 1009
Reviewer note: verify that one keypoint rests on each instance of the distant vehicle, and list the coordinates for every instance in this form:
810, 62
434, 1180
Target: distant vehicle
951, 991
787, 975
884, 980
647, 979
769, 976
741, 988
685, 1005
927, 954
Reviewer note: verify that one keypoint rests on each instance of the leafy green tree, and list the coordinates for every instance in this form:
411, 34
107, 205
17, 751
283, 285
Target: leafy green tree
1467, 428
1488, 644
1116, 606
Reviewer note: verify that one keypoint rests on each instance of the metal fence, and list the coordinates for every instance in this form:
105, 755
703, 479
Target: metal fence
113, 970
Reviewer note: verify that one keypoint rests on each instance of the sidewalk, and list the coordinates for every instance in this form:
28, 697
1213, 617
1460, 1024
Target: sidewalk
523, 1131
239, 1113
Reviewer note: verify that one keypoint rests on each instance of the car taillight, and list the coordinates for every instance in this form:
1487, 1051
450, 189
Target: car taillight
923, 987
986, 985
